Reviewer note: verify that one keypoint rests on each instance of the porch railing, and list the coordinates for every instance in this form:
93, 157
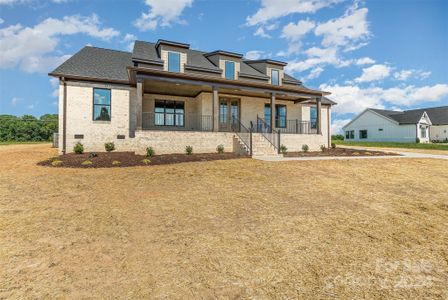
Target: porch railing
270, 134
244, 133
294, 126
176, 121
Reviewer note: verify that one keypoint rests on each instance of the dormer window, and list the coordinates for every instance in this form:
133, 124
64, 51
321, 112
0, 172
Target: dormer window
230, 70
275, 80
173, 61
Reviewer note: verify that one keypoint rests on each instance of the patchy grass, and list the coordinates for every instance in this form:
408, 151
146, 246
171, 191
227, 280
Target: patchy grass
4, 143
394, 145
223, 229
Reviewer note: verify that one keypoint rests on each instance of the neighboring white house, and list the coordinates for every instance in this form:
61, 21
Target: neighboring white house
380, 125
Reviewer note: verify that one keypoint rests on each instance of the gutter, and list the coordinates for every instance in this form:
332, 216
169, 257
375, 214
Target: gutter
64, 117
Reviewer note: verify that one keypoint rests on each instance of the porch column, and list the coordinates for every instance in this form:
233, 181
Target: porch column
319, 115
139, 104
215, 109
273, 110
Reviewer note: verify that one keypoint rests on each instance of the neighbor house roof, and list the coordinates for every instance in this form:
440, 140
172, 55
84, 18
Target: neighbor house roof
92, 62
437, 115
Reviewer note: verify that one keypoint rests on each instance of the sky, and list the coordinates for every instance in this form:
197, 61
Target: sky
390, 54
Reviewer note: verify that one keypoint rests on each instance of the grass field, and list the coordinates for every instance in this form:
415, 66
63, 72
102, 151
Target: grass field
225, 229
18, 143
394, 145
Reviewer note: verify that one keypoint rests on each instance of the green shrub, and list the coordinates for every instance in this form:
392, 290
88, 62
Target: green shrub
333, 145
109, 147
220, 149
56, 163
87, 163
146, 161
417, 140
150, 151
189, 150
338, 137
323, 148
78, 148
283, 149
116, 162
305, 148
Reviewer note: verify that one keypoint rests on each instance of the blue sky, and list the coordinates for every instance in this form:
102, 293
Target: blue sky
384, 54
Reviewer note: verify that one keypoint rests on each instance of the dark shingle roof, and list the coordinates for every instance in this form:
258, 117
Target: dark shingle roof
98, 63
437, 115
145, 51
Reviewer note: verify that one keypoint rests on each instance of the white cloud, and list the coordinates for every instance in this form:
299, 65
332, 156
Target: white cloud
347, 31
254, 54
315, 73
293, 48
364, 61
162, 13
273, 9
294, 32
373, 73
261, 33
15, 100
2, 21
129, 39
317, 57
354, 99
55, 85
336, 125
404, 75
27, 46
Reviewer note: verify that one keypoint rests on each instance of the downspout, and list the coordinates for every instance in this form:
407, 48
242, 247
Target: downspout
328, 127
64, 117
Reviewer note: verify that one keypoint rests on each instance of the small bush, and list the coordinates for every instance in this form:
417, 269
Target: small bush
417, 140
339, 137
333, 145
150, 151
189, 150
116, 162
305, 148
87, 163
78, 148
283, 149
146, 161
56, 163
109, 147
323, 148
220, 149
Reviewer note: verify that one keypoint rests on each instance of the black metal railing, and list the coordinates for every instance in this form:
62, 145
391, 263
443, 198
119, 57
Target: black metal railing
176, 121
269, 133
299, 127
244, 133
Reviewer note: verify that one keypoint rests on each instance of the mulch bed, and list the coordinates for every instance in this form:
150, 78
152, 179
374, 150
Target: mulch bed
129, 159
339, 152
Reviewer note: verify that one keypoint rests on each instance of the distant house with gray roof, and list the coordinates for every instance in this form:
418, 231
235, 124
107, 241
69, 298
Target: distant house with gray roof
167, 96
426, 124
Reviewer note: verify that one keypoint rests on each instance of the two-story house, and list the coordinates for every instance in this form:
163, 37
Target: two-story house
167, 96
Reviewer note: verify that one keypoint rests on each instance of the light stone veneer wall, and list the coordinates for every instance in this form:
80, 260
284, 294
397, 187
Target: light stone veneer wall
164, 56
80, 116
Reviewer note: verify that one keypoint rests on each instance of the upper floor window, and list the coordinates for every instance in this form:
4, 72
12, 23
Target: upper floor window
230, 70
173, 62
313, 117
275, 80
101, 104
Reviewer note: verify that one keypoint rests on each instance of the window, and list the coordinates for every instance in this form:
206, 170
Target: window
280, 115
350, 134
380, 129
173, 62
101, 104
313, 117
363, 134
275, 77
230, 70
169, 113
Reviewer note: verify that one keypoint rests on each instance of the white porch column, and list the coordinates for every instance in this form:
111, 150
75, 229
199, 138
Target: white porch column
273, 112
215, 107
319, 115
139, 104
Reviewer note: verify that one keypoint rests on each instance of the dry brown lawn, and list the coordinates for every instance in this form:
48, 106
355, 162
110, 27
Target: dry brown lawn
224, 229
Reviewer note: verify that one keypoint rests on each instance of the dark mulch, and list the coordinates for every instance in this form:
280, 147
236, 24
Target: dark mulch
129, 159
340, 152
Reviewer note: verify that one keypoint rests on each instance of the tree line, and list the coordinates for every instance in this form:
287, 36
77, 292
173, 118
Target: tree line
28, 128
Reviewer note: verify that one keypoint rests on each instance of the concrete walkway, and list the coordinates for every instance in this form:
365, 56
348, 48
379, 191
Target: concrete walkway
402, 155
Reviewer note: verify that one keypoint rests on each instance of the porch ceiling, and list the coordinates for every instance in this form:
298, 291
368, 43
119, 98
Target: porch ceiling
188, 90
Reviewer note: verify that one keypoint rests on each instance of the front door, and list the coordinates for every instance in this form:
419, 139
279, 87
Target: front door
229, 113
